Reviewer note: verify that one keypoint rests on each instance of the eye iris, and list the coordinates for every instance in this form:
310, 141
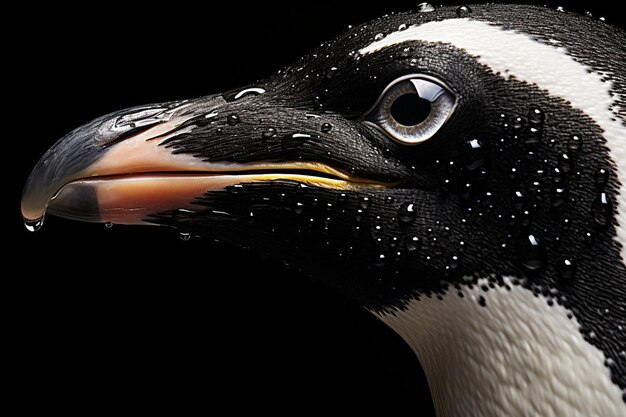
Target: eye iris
410, 109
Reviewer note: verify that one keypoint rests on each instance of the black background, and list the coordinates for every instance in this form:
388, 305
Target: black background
135, 318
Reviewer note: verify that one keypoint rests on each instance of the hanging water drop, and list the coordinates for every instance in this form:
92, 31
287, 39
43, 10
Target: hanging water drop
184, 236
233, 119
365, 203
327, 127
379, 37
108, 225
463, 11
299, 208
531, 253
403, 26
34, 225
425, 8
407, 213
413, 62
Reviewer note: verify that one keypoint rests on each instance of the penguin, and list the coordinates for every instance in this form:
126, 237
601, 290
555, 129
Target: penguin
458, 171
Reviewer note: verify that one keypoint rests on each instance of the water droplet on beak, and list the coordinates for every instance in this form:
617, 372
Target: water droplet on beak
34, 225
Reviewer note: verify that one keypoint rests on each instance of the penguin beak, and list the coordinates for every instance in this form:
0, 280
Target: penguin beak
122, 168
88, 174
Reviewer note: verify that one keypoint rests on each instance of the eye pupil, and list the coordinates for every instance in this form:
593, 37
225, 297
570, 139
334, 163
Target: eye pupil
410, 109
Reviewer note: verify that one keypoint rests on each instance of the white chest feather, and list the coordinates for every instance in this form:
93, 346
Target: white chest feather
517, 357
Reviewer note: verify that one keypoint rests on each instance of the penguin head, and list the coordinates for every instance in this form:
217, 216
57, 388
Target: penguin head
409, 154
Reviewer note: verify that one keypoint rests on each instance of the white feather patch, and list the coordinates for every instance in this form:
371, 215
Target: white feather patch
517, 356
548, 66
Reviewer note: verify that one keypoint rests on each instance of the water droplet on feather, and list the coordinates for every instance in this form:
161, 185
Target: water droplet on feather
602, 177
603, 210
407, 213
463, 11
531, 253
567, 269
233, 119
474, 154
536, 116
412, 243
269, 133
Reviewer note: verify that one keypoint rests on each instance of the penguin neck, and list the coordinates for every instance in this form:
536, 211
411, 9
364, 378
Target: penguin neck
505, 352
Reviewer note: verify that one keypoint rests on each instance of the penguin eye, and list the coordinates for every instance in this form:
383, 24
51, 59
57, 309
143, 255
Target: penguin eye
412, 109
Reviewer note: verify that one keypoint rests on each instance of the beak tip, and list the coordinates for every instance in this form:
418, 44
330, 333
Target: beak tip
77, 201
32, 213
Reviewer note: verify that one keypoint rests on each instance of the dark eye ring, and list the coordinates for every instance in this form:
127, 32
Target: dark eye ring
412, 109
